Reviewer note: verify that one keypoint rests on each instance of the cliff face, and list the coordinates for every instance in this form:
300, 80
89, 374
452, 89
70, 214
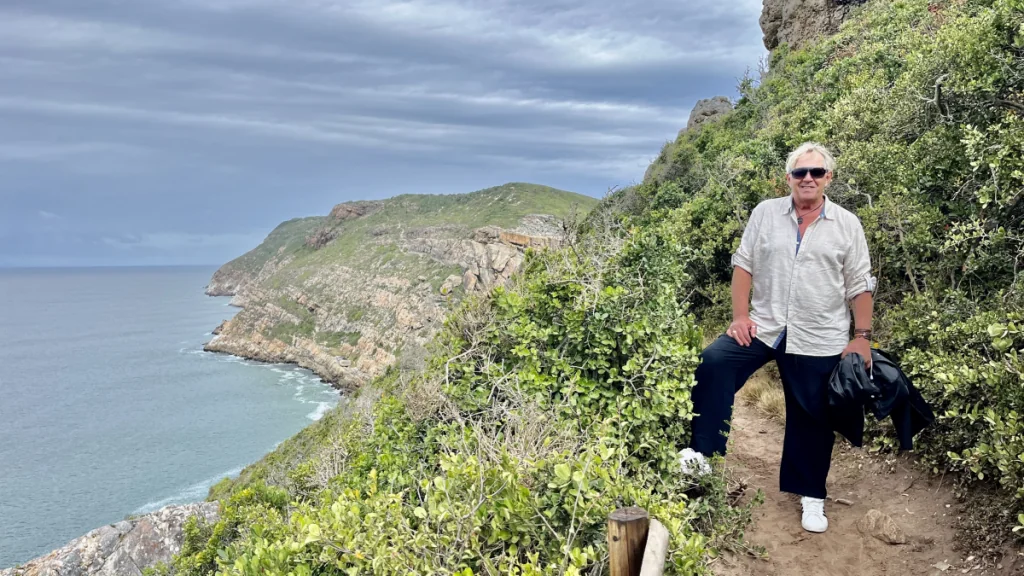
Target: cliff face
122, 549
798, 22
349, 294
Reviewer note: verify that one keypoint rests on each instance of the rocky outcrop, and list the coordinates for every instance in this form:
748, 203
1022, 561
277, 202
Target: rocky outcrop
395, 312
707, 110
226, 283
352, 210
303, 352
797, 22
122, 549
491, 255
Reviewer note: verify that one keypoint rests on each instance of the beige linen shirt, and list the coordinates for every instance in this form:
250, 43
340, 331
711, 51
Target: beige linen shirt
802, 286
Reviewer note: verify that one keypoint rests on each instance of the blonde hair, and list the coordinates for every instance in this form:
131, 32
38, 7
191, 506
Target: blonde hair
806, 148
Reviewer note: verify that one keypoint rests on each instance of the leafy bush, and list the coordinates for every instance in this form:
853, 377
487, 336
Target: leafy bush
968, 365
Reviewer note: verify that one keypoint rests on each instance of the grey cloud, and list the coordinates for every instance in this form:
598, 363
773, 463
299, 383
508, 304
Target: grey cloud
180, 130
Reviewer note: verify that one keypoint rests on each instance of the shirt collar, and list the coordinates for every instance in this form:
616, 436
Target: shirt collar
827, 209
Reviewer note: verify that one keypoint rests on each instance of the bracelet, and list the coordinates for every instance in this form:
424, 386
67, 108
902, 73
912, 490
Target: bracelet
864, 333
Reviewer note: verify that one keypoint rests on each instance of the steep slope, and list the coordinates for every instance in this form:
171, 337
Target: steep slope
348, 294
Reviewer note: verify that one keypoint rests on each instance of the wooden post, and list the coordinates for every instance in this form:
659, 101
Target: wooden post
627, 537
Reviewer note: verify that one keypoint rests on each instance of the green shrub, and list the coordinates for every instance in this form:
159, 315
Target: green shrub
968, 365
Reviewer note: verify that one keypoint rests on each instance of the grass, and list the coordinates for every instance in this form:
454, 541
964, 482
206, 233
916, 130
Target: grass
286, 239
285, 331
335, 339
764, 392
355, 314
501, 206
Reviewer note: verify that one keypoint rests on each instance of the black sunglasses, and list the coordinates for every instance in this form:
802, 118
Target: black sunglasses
816, 173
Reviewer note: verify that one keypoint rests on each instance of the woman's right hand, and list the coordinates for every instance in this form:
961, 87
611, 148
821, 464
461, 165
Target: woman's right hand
743, 330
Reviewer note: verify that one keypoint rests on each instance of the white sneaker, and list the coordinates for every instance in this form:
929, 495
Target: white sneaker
693, 463
814, 514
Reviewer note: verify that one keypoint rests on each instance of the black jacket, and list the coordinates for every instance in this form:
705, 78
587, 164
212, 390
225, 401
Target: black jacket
885, 392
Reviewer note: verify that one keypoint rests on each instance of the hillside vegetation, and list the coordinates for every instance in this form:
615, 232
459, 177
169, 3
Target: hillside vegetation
547, 404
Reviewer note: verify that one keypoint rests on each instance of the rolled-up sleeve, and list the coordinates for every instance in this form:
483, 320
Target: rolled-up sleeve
744, 256
857, 265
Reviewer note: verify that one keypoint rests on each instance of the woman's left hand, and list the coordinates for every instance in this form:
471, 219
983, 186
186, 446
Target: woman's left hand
860, 346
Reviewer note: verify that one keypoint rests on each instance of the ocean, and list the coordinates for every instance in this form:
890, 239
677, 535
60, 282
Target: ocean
110, 407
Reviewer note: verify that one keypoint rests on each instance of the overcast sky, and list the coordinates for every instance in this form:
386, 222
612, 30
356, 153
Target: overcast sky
183, 131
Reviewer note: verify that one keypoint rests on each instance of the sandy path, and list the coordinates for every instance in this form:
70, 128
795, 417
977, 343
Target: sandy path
922, 506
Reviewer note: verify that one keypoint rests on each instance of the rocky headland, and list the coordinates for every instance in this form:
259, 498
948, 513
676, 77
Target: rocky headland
350, 294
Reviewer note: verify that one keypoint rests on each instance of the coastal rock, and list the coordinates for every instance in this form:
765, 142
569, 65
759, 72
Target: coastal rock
797, 22
125, 548
302, 352
220, 327
450, 283
225, 284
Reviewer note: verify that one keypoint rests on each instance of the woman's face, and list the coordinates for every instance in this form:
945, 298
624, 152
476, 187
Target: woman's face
809, 189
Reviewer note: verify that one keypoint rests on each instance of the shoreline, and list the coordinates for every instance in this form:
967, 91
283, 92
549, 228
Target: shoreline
308, 356
260, 350
162, 512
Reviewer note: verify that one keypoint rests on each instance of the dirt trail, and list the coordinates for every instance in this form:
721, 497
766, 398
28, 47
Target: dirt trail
921, 505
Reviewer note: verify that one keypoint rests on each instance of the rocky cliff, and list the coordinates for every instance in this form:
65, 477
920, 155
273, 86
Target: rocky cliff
797, 22
122, 549
351, 293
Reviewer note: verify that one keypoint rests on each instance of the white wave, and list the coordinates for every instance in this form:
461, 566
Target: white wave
194, 493
321, 409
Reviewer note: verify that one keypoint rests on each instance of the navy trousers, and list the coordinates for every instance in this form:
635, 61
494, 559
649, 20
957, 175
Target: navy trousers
807, 448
